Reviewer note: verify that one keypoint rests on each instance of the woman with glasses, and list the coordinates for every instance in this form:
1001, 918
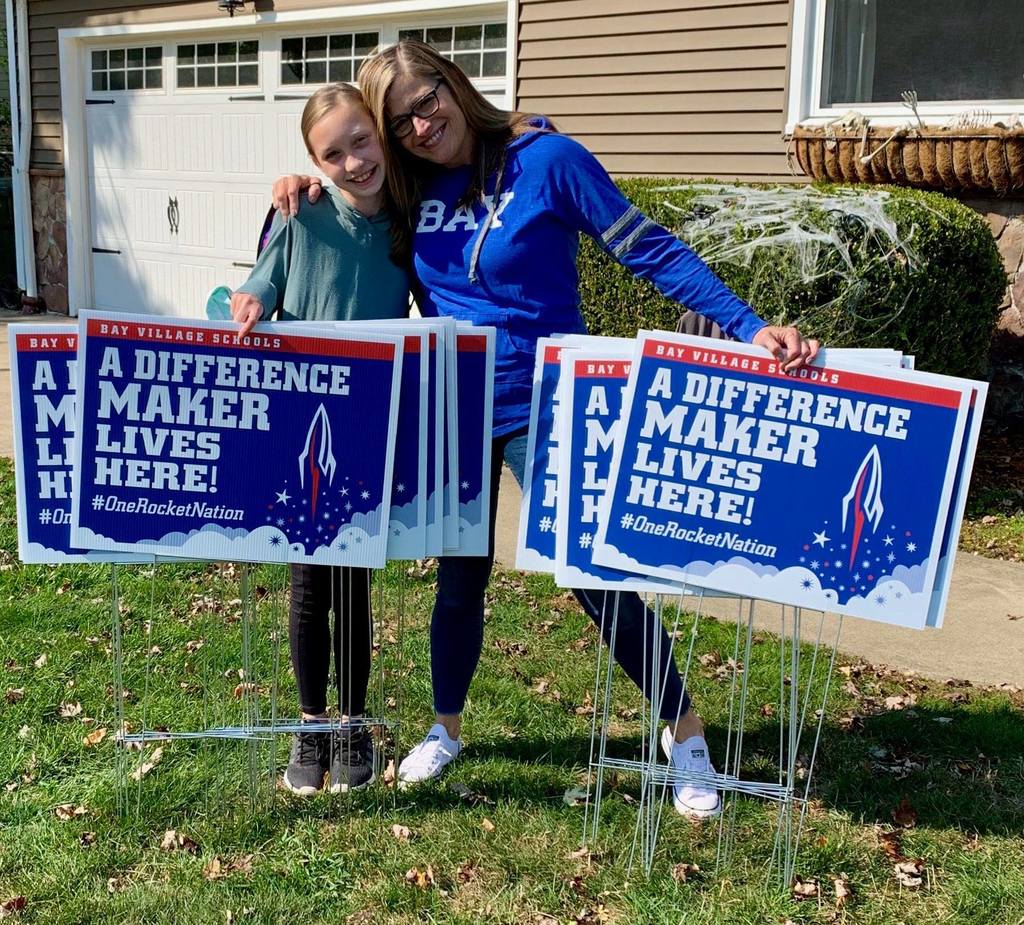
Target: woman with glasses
490, 206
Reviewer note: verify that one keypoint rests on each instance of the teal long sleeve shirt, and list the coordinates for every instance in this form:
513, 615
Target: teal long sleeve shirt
329, 263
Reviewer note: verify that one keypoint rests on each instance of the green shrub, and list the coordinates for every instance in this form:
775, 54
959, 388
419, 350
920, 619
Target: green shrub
852, 266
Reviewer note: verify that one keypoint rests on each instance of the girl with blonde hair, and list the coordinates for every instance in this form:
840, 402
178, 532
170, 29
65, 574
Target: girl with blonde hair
331, 263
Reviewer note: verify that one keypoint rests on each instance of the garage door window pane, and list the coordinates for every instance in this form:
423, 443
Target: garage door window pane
117, 80
153, 56
469, 63
478, 48
124, 68
366, 43
134, 80
135, 57
217, 64
340, 70
154, 78
99, 80
315, 59
494, 35
441, 39
494, 64
99, 61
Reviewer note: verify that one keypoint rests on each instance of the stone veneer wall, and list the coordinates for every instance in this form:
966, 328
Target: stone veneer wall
49, 222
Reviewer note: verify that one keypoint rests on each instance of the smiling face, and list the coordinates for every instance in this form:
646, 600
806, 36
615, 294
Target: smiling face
344, 145
443, 138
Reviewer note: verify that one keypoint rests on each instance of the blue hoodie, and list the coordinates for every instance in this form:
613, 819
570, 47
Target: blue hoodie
518, 270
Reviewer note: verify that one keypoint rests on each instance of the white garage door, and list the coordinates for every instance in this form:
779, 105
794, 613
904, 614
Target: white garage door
186, 136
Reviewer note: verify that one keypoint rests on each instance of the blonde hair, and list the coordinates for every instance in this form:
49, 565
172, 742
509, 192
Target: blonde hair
322, 102
491, 128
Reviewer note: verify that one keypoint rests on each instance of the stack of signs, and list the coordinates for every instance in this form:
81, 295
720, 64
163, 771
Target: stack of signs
297, 443
840, 488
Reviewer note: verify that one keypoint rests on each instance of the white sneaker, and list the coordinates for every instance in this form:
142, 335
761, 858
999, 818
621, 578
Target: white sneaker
692, 799
430, 757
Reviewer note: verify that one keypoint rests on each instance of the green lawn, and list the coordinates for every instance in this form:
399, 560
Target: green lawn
909, 769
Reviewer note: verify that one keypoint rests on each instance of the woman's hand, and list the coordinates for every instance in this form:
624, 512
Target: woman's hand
287, 189
246, 310
787, 345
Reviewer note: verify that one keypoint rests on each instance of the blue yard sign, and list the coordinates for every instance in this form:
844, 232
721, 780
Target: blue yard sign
43, 392
276, 447
591, 385
536, 547
828, 490
475, 377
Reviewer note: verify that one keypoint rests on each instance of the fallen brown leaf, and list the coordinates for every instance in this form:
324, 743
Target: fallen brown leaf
419, 877
67, 811
683, 872
87, 839
14, 694
842, 889
24, 732
218, 868
151, 762
804, 889
39, 662
487, 825
467, 872
905, 815
910, 873
767, 710
95, 737
11, 906
892, 844
401, 832
117, 884
389, 772
70, 710
178, 841
470, 796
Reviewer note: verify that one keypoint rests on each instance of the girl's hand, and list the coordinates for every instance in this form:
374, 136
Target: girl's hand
287, 189
786, 344
246, 310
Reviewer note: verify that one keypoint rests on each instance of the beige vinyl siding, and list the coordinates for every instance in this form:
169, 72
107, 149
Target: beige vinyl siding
688, 88
45, 17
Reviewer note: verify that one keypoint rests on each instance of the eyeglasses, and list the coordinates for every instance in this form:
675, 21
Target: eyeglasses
424, 108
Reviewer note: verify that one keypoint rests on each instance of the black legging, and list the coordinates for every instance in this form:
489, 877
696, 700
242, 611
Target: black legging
316, 591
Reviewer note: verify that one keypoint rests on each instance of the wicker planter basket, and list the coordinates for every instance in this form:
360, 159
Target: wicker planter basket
969, 160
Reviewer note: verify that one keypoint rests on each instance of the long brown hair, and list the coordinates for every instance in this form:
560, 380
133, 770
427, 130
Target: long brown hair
491, 128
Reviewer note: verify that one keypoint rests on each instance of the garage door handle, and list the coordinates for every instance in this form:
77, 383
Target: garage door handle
252, 98
104, 250
287, 96
243, 264
172, 214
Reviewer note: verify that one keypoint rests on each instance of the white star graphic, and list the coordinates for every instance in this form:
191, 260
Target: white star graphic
365, 495
820, 539
814, 564
344, 491
400, 487
911, 547
888, 541
283, 497
465, 485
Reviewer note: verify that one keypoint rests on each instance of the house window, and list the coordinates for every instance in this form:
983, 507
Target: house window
478, 49
127, 68
946, 51
317, 59
218, 64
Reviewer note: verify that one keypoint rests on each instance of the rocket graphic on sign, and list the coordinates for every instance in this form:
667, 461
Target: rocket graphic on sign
317, 456
863, 502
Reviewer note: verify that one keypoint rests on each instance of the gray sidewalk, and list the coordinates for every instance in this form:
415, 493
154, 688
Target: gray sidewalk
978, 642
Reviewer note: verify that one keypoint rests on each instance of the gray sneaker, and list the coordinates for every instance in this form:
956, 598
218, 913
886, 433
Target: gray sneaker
352, 760
308, 763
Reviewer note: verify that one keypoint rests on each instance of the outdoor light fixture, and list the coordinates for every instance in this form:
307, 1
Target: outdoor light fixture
229, 6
